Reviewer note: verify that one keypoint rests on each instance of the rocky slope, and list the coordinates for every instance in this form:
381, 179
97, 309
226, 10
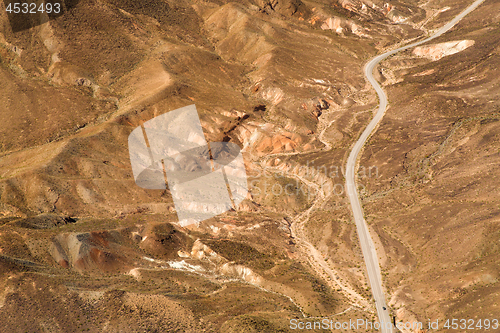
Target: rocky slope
83, 248
435, 204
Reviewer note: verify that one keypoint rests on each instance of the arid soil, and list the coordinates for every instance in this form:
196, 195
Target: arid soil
434, 206
82, 248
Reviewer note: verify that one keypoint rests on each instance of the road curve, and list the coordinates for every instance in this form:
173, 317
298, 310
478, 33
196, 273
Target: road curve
367, 246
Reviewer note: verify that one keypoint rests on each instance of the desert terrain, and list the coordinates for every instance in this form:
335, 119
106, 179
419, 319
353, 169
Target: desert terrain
83, 248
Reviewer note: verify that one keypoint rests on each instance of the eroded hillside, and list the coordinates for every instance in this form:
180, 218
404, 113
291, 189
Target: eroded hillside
435, 205
83, 248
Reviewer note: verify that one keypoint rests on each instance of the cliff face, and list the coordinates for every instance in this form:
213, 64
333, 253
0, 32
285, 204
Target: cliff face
438, 51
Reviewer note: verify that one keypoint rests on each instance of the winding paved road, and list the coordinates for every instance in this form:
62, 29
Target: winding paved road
367, 246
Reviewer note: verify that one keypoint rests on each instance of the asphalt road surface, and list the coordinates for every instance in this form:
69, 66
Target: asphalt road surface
367, 246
